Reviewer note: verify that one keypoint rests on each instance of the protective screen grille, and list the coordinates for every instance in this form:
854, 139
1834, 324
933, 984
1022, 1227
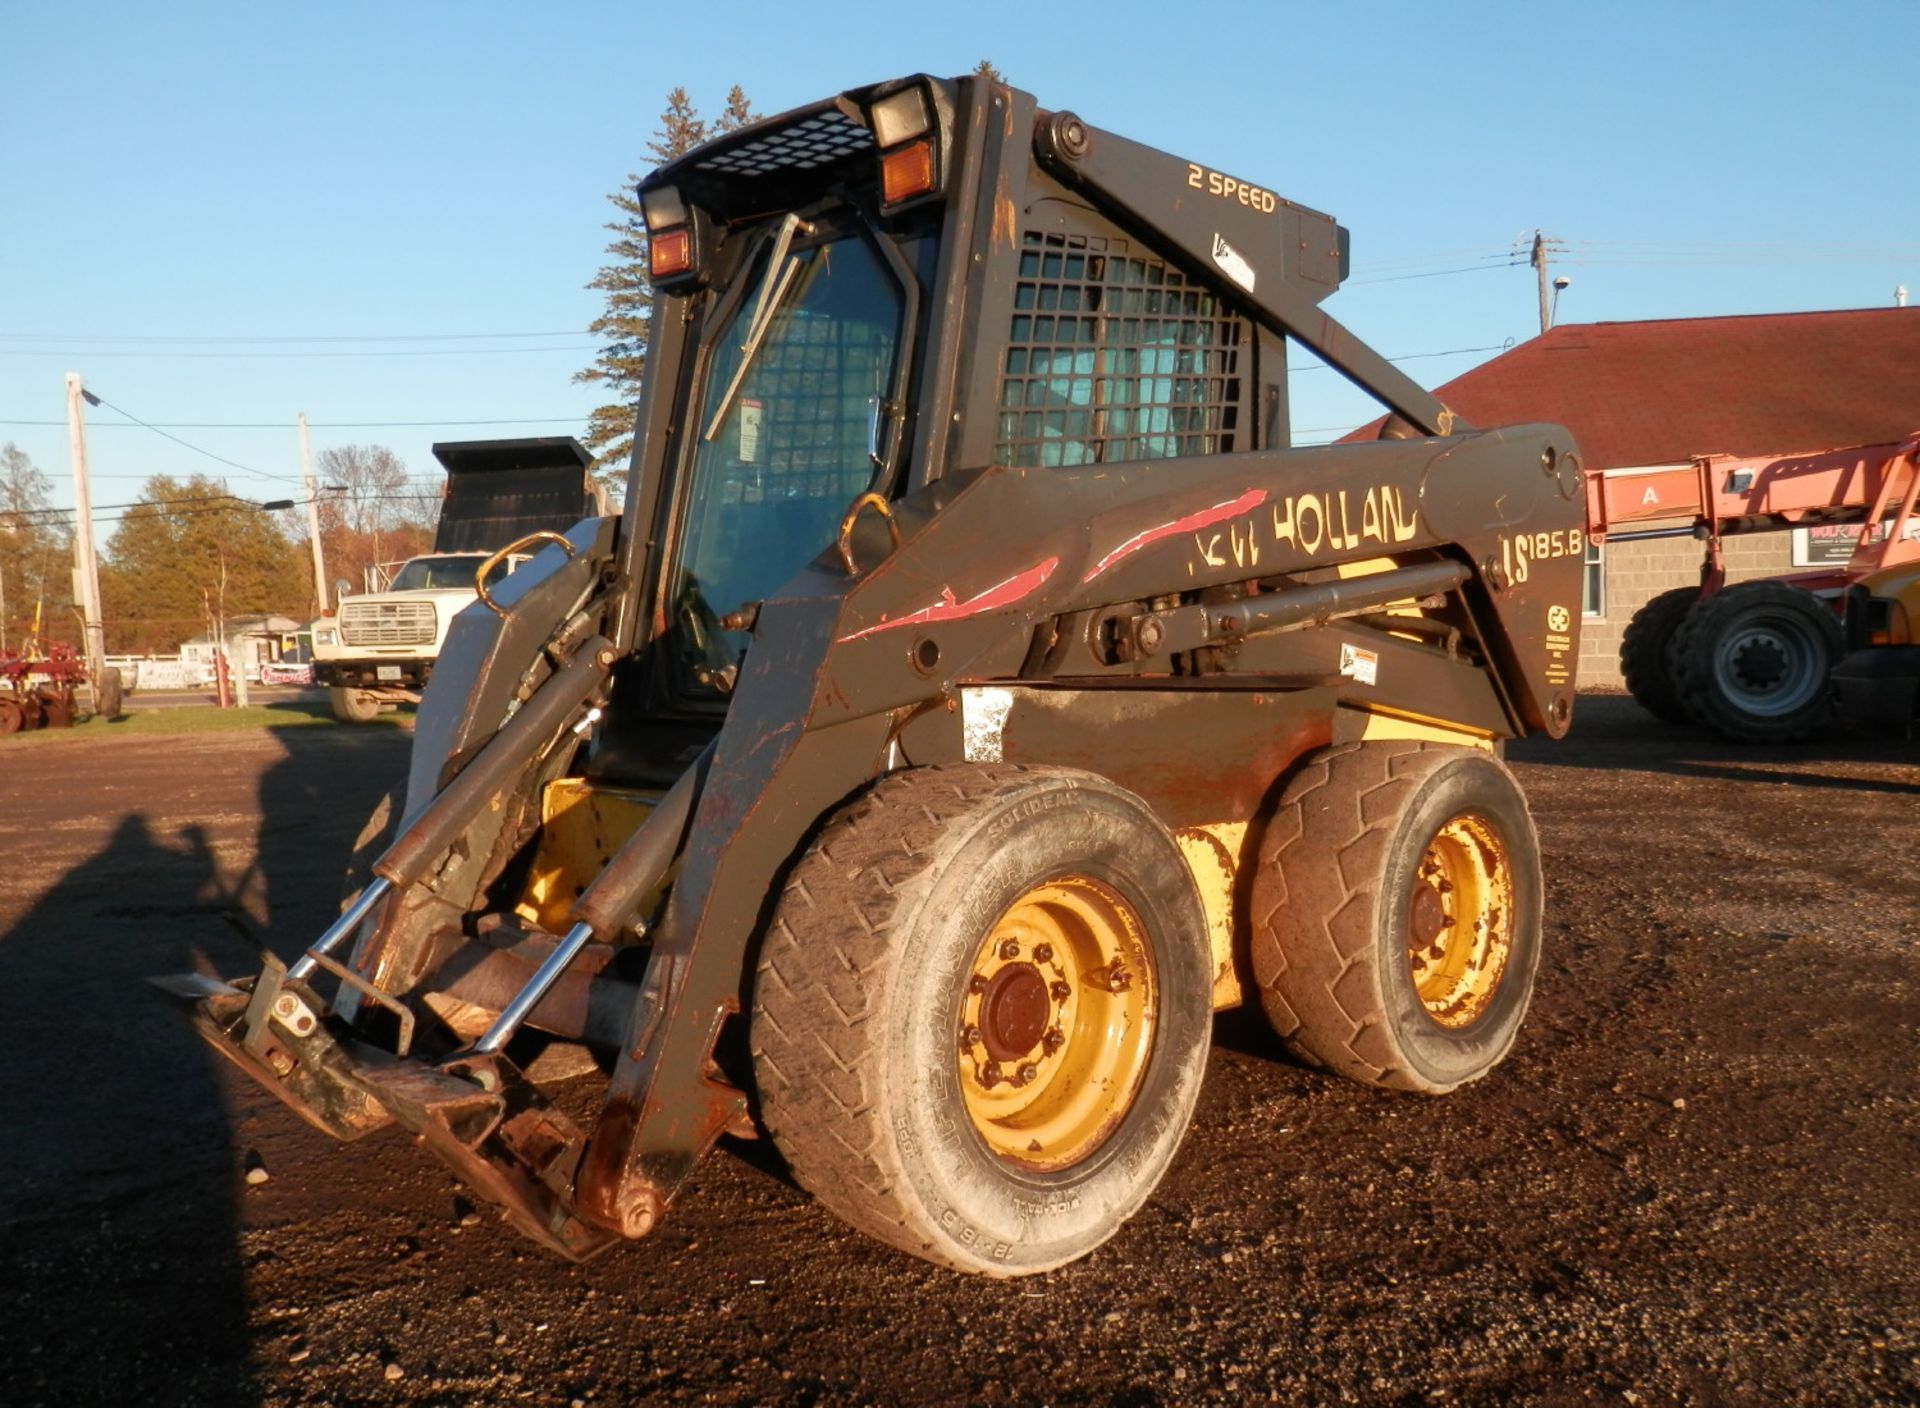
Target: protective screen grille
812, 141
813, 390
1112, 356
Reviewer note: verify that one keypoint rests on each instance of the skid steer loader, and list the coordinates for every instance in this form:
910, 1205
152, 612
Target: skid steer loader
976, 692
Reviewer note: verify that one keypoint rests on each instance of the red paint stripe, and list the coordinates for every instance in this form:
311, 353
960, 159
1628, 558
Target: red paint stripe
1192, 523
1017, 587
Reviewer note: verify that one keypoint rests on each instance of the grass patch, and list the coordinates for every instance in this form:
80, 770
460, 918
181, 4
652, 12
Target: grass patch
137, 722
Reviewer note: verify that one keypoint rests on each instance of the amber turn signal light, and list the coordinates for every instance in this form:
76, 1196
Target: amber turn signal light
906, 172
670, 252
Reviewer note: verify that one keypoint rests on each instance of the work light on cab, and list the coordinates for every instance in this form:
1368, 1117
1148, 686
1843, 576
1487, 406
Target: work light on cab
671, 228
906, 128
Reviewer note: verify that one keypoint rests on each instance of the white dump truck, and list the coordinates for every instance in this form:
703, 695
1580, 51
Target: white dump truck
377, 650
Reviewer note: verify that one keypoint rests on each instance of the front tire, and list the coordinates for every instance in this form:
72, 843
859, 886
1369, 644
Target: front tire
1396, 913
982, 1013
353, 706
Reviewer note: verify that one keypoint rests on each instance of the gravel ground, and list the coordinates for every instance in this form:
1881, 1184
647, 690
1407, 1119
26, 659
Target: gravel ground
1693, 1182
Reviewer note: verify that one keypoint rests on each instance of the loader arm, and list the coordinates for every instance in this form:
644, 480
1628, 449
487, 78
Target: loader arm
1280, 258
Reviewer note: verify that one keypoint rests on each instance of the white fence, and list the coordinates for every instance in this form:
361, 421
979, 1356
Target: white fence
161, 672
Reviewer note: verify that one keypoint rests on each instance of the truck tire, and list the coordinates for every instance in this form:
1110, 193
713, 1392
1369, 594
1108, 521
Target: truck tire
1755, 662
353, 706
1643, 653
982, 1012
1357, 894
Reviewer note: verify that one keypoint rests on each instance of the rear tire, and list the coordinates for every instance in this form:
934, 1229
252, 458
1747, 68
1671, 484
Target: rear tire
353, 706
1364, 963
938, 1054
1755, 662
1643, 653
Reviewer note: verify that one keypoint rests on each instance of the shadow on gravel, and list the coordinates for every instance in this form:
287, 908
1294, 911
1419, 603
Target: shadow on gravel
117, 1126
1613, 731
122, 1268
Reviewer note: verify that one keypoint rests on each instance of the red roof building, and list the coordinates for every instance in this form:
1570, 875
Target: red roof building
1640, 395
1637, 394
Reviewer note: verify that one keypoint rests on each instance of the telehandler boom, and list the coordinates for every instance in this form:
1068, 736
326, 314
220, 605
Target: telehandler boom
976, 692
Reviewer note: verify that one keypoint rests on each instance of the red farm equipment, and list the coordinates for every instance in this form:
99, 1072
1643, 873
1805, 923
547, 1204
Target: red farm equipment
37, 691
1763, 661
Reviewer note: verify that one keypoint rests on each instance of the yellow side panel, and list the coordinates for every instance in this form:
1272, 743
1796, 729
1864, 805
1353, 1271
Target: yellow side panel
1214, 853
581, 826
1899, 584
1366, 726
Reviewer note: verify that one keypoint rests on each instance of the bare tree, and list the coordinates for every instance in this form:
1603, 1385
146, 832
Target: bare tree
35, 551
376, 513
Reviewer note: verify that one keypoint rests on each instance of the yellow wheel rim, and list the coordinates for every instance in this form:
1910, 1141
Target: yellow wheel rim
1057, 1023
1460, 921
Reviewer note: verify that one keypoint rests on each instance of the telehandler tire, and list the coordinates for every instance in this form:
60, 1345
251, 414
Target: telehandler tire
1643, 654
982, 1012
1376, 857
353, 706
111, 695
1754, 663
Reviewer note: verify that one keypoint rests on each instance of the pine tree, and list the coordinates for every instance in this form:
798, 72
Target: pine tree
985, 69
623, 325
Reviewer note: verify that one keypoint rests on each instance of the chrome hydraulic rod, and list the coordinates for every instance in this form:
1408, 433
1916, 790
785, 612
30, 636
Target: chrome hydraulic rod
544, 977
343, 927
606, 907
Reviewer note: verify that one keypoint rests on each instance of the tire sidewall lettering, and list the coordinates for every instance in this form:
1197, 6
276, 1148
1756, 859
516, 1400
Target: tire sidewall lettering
1023, 1218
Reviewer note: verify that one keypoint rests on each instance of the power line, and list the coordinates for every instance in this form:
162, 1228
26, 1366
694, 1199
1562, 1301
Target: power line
259, 356
320, 425
167, 338
1437, 273
1412, 356
235, 464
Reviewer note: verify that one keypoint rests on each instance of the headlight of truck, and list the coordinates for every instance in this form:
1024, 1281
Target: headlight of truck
325, 636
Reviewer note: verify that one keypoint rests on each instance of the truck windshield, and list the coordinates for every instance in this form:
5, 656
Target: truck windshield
441, 573
785, 446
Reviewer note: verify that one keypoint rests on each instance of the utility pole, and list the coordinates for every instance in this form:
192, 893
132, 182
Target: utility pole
86, 566
313, 522
1539, 262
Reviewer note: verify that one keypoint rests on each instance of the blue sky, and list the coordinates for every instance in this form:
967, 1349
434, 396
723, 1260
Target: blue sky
361, 190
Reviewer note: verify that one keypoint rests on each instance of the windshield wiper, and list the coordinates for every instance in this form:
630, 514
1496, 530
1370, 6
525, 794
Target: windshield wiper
781, 268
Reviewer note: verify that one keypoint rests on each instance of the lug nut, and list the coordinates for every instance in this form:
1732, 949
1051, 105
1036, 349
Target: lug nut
990, 1074
976, 985
969, 1036
1043, 953
1026, 1073
1061, 992
1010, 948
1053, 1041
